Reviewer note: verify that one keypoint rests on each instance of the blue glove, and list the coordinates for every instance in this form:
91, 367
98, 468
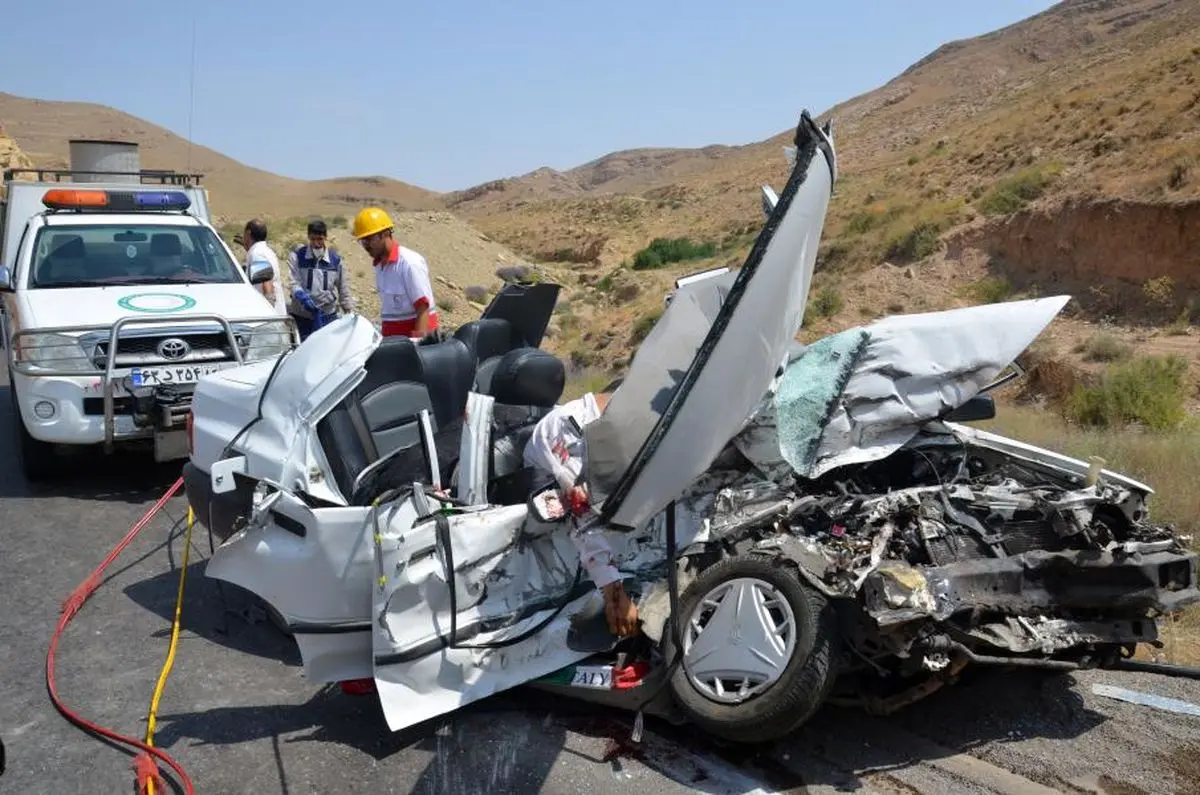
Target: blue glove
318, 318
306, 300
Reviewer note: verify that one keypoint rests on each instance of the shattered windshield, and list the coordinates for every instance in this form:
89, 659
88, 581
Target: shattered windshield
103, 255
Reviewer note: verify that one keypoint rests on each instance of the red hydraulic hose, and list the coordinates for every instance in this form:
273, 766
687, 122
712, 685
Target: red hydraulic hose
144, 762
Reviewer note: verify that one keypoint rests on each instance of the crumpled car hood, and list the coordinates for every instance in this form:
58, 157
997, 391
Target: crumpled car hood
860, 395
281, 445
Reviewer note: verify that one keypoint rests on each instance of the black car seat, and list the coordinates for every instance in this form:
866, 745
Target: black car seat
381, 416
166, 254
488, 339
526, 384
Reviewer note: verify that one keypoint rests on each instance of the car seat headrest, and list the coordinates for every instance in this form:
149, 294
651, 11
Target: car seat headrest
528, 377
165, 245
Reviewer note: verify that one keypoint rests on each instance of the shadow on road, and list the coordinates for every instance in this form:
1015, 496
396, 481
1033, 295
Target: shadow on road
471, 747
218, 612
85, 474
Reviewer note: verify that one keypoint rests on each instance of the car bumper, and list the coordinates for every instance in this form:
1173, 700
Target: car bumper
54, 409
70, 410
223, 514
1116, 585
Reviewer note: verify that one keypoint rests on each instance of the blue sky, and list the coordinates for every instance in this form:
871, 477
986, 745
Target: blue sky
447, 95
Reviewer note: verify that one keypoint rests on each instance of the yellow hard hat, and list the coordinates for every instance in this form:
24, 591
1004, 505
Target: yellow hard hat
370, 221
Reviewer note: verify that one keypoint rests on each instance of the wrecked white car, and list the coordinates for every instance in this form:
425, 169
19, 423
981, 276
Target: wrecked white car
828, 517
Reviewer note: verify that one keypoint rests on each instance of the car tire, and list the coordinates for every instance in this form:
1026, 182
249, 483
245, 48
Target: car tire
808, 676
38, 458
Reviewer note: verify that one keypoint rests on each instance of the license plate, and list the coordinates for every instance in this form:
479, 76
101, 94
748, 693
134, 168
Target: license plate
598, 677
181, 374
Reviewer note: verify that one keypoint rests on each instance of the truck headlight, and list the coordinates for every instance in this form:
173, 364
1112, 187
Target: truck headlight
60, 352
267, 340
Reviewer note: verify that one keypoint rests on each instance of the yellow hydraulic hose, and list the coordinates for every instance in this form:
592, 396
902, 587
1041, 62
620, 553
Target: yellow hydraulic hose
166, 670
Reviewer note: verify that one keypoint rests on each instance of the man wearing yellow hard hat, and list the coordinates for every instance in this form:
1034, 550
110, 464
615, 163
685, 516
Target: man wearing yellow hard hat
406, 300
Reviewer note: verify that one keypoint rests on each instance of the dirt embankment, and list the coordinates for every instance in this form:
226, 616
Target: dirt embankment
1133, 261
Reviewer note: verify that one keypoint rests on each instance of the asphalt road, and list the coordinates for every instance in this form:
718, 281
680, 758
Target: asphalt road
239, 716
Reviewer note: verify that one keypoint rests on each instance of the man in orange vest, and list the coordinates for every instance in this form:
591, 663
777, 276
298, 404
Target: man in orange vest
406, 300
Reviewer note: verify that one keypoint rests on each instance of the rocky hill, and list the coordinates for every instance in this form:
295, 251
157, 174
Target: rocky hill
1099, 93
42, 129
1059, 154
11, 155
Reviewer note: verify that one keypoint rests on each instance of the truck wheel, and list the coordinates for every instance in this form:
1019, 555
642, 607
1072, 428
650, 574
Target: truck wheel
38, 458
759, 648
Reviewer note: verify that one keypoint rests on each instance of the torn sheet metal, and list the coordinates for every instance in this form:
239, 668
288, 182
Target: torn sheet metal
1024, 635
915, 368
695, 371
1147, 699
280, 413
475, 450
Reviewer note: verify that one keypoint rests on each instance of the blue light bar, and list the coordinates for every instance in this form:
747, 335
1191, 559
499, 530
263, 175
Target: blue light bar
115, 200
161, 200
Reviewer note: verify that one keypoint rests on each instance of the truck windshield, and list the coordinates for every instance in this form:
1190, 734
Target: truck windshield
99, 255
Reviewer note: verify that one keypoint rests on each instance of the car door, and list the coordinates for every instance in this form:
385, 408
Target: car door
469, 603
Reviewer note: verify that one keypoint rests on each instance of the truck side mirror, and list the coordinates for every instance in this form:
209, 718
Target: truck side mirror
261, 272
6, 285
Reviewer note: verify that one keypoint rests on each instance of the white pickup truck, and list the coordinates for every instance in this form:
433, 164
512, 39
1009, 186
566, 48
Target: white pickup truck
117, 298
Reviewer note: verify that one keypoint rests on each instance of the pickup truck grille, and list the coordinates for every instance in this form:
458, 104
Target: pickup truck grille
144, 350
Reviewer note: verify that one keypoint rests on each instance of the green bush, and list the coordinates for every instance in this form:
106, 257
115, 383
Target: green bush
862, 222
663, 251
1012, 193
990, 290
826, 303
1105, 347
1149, 390
917, 243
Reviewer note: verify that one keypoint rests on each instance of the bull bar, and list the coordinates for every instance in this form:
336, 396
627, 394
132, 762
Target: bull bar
108, 374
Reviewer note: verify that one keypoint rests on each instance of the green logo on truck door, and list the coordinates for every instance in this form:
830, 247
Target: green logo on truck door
156, 303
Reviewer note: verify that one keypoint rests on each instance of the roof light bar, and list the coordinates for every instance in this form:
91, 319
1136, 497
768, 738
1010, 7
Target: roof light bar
127, 201
65, 199
162, 200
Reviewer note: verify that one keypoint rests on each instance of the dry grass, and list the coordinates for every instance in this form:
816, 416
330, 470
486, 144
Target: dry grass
582, 381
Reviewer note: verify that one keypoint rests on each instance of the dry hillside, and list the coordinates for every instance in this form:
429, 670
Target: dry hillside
1101, 93
11, 155
42, 129
1060, 154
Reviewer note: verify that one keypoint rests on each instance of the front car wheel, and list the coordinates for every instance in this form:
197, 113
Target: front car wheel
759, 650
